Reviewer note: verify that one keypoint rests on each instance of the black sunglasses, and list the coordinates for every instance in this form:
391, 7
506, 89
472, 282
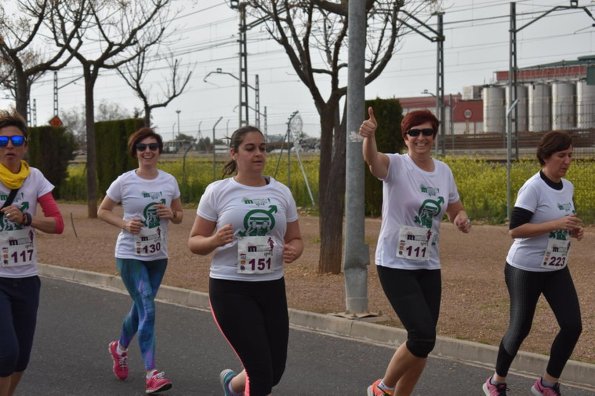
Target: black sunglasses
416, 132
143, 146
17, 140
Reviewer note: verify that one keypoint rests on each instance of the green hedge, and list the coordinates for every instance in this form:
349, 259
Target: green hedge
50, 150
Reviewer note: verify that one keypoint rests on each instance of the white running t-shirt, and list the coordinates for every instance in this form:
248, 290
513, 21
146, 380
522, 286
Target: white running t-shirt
413, 204
257, 214
546, 204
139, 198
18, 247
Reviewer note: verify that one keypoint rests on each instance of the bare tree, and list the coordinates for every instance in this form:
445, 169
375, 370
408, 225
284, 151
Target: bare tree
135, 74
114, 33
313, 34
21, 63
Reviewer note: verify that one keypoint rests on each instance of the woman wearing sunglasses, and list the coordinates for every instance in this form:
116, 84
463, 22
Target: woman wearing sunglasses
417, 191
150, 200
21, 188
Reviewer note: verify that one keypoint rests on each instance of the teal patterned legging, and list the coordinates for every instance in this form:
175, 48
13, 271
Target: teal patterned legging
142, 280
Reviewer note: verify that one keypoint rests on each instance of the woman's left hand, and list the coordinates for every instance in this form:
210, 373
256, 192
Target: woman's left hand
577, 233
290, 253
165, 212
463, 223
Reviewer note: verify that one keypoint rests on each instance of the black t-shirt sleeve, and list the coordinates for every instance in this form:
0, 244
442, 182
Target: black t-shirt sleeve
519, 216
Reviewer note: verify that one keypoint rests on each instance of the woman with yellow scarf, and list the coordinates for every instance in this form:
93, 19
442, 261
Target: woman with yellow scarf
21, 188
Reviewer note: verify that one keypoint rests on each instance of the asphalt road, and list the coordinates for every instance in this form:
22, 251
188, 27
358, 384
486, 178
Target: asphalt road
76, 323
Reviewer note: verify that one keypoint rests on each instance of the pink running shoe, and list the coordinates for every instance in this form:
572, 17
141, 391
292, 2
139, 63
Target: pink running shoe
120, 368
490, 389
157, 383
374, 390
539, 390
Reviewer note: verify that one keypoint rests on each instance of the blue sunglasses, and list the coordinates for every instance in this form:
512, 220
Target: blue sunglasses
17, 140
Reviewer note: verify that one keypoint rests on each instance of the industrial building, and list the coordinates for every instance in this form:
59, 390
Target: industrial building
553, 96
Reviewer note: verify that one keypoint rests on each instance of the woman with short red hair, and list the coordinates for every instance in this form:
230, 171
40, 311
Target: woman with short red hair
417, 191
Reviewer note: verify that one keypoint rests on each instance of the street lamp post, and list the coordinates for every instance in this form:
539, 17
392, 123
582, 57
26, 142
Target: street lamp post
178, 111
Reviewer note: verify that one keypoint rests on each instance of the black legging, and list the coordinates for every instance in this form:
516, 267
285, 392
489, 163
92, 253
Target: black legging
524, 288
415, 297
253, 318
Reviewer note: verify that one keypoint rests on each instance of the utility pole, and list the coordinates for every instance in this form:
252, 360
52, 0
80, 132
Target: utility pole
243, 67
178, 111
355, 251
215, 155
440, 82
439, 39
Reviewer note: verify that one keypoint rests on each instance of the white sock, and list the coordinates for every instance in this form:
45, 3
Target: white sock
150, 373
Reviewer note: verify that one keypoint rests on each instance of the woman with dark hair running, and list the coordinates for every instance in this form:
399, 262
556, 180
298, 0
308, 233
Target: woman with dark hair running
417, 191
150, 200
542, 222
251, 223
22, 187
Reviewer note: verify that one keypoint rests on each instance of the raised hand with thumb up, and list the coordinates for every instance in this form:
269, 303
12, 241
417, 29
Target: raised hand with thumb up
368, 127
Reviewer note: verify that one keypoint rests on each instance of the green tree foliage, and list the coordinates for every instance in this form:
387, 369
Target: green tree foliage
50, 150
112, 149
389, 114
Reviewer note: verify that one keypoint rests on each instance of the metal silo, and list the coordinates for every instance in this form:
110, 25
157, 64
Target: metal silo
494, 113
585, 105
540, 107
521, 94
563, 105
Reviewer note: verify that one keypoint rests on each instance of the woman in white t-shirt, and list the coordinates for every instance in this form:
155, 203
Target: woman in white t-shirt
542, 222
150, 200
22, 187
250, 222
417, 191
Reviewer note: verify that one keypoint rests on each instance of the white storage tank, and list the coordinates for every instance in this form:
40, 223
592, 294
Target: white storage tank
563, 105
494, 114
540, 107
522, 119
585, 105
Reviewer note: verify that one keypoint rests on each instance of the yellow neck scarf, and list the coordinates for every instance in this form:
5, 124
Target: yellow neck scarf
14, 180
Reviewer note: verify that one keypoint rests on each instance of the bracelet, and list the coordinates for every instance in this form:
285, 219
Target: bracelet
27, 219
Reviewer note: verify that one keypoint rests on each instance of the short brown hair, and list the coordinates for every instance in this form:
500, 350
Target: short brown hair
141, 134
551, 143
418, 117
13, 118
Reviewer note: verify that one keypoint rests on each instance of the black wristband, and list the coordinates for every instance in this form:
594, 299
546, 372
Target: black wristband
28, 219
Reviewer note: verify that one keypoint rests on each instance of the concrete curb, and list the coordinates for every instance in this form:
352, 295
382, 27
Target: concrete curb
577, 373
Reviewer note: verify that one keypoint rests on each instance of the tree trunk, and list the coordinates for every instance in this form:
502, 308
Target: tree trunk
21, 93
331, 190
147, 119
90, 78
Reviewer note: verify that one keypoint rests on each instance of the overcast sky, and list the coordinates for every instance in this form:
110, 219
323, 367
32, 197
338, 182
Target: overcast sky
476, 46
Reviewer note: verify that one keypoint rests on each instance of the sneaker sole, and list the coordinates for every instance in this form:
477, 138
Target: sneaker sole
159, 390
535, 392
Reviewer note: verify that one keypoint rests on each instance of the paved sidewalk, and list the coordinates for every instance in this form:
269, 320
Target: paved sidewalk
578, 373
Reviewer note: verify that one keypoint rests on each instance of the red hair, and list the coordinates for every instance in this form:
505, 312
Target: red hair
418, 117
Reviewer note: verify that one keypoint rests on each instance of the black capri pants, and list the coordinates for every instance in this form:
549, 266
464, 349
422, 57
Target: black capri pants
415, 296
524, 288
253, 318
19, 300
